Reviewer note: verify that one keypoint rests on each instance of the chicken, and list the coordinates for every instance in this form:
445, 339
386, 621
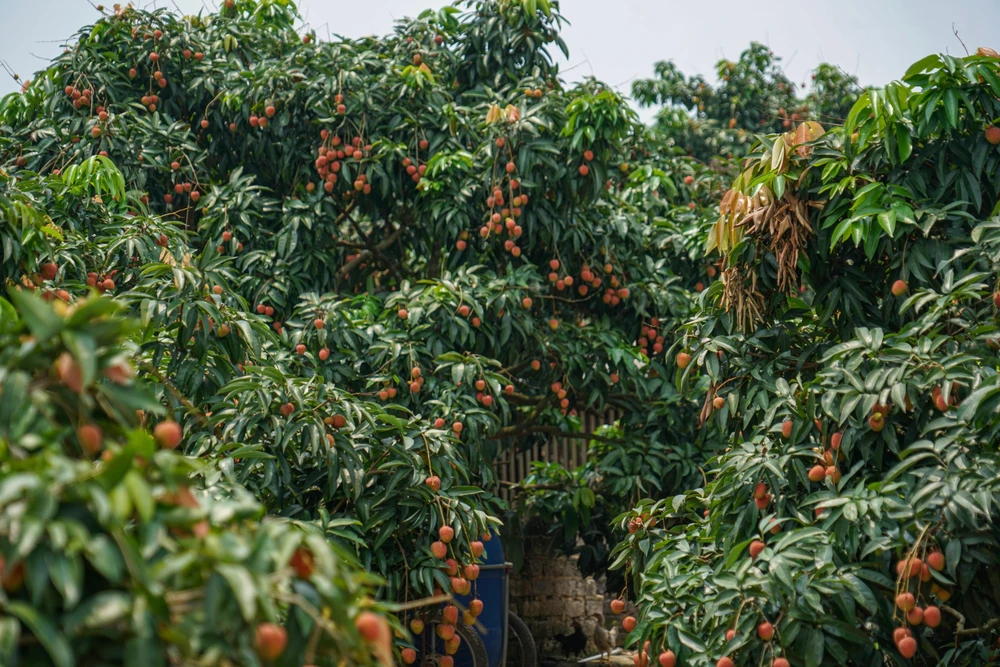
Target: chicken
604, 640
575, 643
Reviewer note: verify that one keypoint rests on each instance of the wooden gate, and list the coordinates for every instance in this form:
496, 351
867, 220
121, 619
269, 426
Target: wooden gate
514, 464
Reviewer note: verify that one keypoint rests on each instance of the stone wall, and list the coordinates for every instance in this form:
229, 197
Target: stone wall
549, 593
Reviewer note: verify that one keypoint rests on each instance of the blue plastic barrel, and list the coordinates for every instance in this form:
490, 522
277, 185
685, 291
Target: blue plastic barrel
491, 588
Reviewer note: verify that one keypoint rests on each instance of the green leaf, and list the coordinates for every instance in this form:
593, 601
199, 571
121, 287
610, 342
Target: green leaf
66, 574
45, 631
951, 107
243, 587
144, 652
922, 65
904, 143
102, 609
953, 555
41, 320
104, 556
10, 634
861, 592
142, 497
811, 645
691, 642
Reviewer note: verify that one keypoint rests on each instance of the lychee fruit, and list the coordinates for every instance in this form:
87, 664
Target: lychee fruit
90, 437
270, 641
168, 434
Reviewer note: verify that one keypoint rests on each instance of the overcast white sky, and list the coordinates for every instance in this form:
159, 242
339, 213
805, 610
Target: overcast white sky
619, 40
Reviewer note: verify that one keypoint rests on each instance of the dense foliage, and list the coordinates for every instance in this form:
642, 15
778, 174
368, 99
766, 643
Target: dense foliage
298, 296
361, 268
118, 549
851, 350
711, 124
753, 96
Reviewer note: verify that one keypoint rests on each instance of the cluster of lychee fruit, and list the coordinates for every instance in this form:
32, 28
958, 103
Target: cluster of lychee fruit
102, 282
649, 335
909, 569
160, 80
445, 629
710, 270
150, 102
264, 309
765, 629
584, 169
330, 157
614, 292
260, 122
81, 97
561, 394
666, 658
826, 467
271, 639
60, 294
227, 238
460, 575
501, 216
787, 119
181, 188
387, 393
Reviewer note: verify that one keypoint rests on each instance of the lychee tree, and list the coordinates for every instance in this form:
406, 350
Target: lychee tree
753, 96
361, 268
116, 549
851, 344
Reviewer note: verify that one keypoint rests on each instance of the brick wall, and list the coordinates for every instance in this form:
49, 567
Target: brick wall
549, 593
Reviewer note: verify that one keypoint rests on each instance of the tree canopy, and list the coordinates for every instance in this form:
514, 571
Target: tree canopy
753, 96
358, 269
851, 347
273, 306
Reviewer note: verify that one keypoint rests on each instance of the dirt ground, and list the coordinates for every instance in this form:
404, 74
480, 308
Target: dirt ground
620, 660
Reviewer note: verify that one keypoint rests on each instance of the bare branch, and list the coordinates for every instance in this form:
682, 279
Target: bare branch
954, 31
365, 255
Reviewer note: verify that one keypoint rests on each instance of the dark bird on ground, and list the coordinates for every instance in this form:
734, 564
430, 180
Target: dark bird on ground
575, 643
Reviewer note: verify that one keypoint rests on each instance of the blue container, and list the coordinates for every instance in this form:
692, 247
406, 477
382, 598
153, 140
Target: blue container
491, 588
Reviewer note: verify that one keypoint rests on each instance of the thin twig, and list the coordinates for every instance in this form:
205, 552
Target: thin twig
954, 30
416, 604
513, 431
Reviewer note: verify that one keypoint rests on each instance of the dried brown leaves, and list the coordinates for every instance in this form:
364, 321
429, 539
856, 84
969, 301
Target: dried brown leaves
778, 224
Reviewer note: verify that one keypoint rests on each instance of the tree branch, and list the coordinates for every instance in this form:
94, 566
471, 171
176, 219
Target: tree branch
433, 268
365, 255
513, 431
962, 631
360, 232
509, 431
179, 397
